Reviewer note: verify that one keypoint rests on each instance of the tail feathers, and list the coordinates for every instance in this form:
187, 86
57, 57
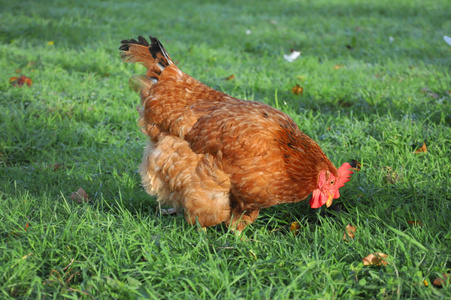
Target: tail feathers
153, 56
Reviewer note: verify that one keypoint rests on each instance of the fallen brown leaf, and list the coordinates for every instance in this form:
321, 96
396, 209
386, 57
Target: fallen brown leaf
439, 282
20, 81
375, 259
17, 233
79, 196
350, 231
336, 67
297, 90
415, 223
230, 77
423, 149
57, 166
294, 228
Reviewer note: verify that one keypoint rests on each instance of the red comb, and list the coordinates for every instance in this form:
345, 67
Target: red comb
344, 174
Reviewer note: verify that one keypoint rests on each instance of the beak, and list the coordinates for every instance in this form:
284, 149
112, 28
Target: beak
329, 200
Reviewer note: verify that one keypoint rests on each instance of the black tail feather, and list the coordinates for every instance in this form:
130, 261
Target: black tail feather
155, 48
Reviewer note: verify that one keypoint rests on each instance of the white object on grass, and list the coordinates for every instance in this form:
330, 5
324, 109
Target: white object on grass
447, 39
292, 56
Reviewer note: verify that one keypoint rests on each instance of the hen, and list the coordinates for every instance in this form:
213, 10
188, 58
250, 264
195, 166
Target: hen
218, 158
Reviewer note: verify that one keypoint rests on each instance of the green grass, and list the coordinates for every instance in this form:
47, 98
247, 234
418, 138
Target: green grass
386, 99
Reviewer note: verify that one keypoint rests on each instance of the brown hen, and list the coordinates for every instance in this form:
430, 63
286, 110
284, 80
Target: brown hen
218, 158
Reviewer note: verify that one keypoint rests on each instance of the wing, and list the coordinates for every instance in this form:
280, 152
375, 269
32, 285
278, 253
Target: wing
248, 140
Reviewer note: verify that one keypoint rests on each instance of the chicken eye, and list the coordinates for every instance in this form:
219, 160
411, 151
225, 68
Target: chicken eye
332, 181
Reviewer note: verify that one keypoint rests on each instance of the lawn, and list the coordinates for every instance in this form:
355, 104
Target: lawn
376, 85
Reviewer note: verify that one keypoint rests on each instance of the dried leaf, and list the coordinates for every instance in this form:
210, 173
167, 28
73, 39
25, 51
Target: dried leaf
20, 81
423, 149
71, 262
230, 77
339, 66
294, 228
297, 90
17, 233
439, 282
79, 196
375, 259
292, 55
350, 231
355, 165
57, 166
415, 223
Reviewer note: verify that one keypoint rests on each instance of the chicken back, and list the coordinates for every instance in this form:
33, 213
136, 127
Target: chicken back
218, 158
